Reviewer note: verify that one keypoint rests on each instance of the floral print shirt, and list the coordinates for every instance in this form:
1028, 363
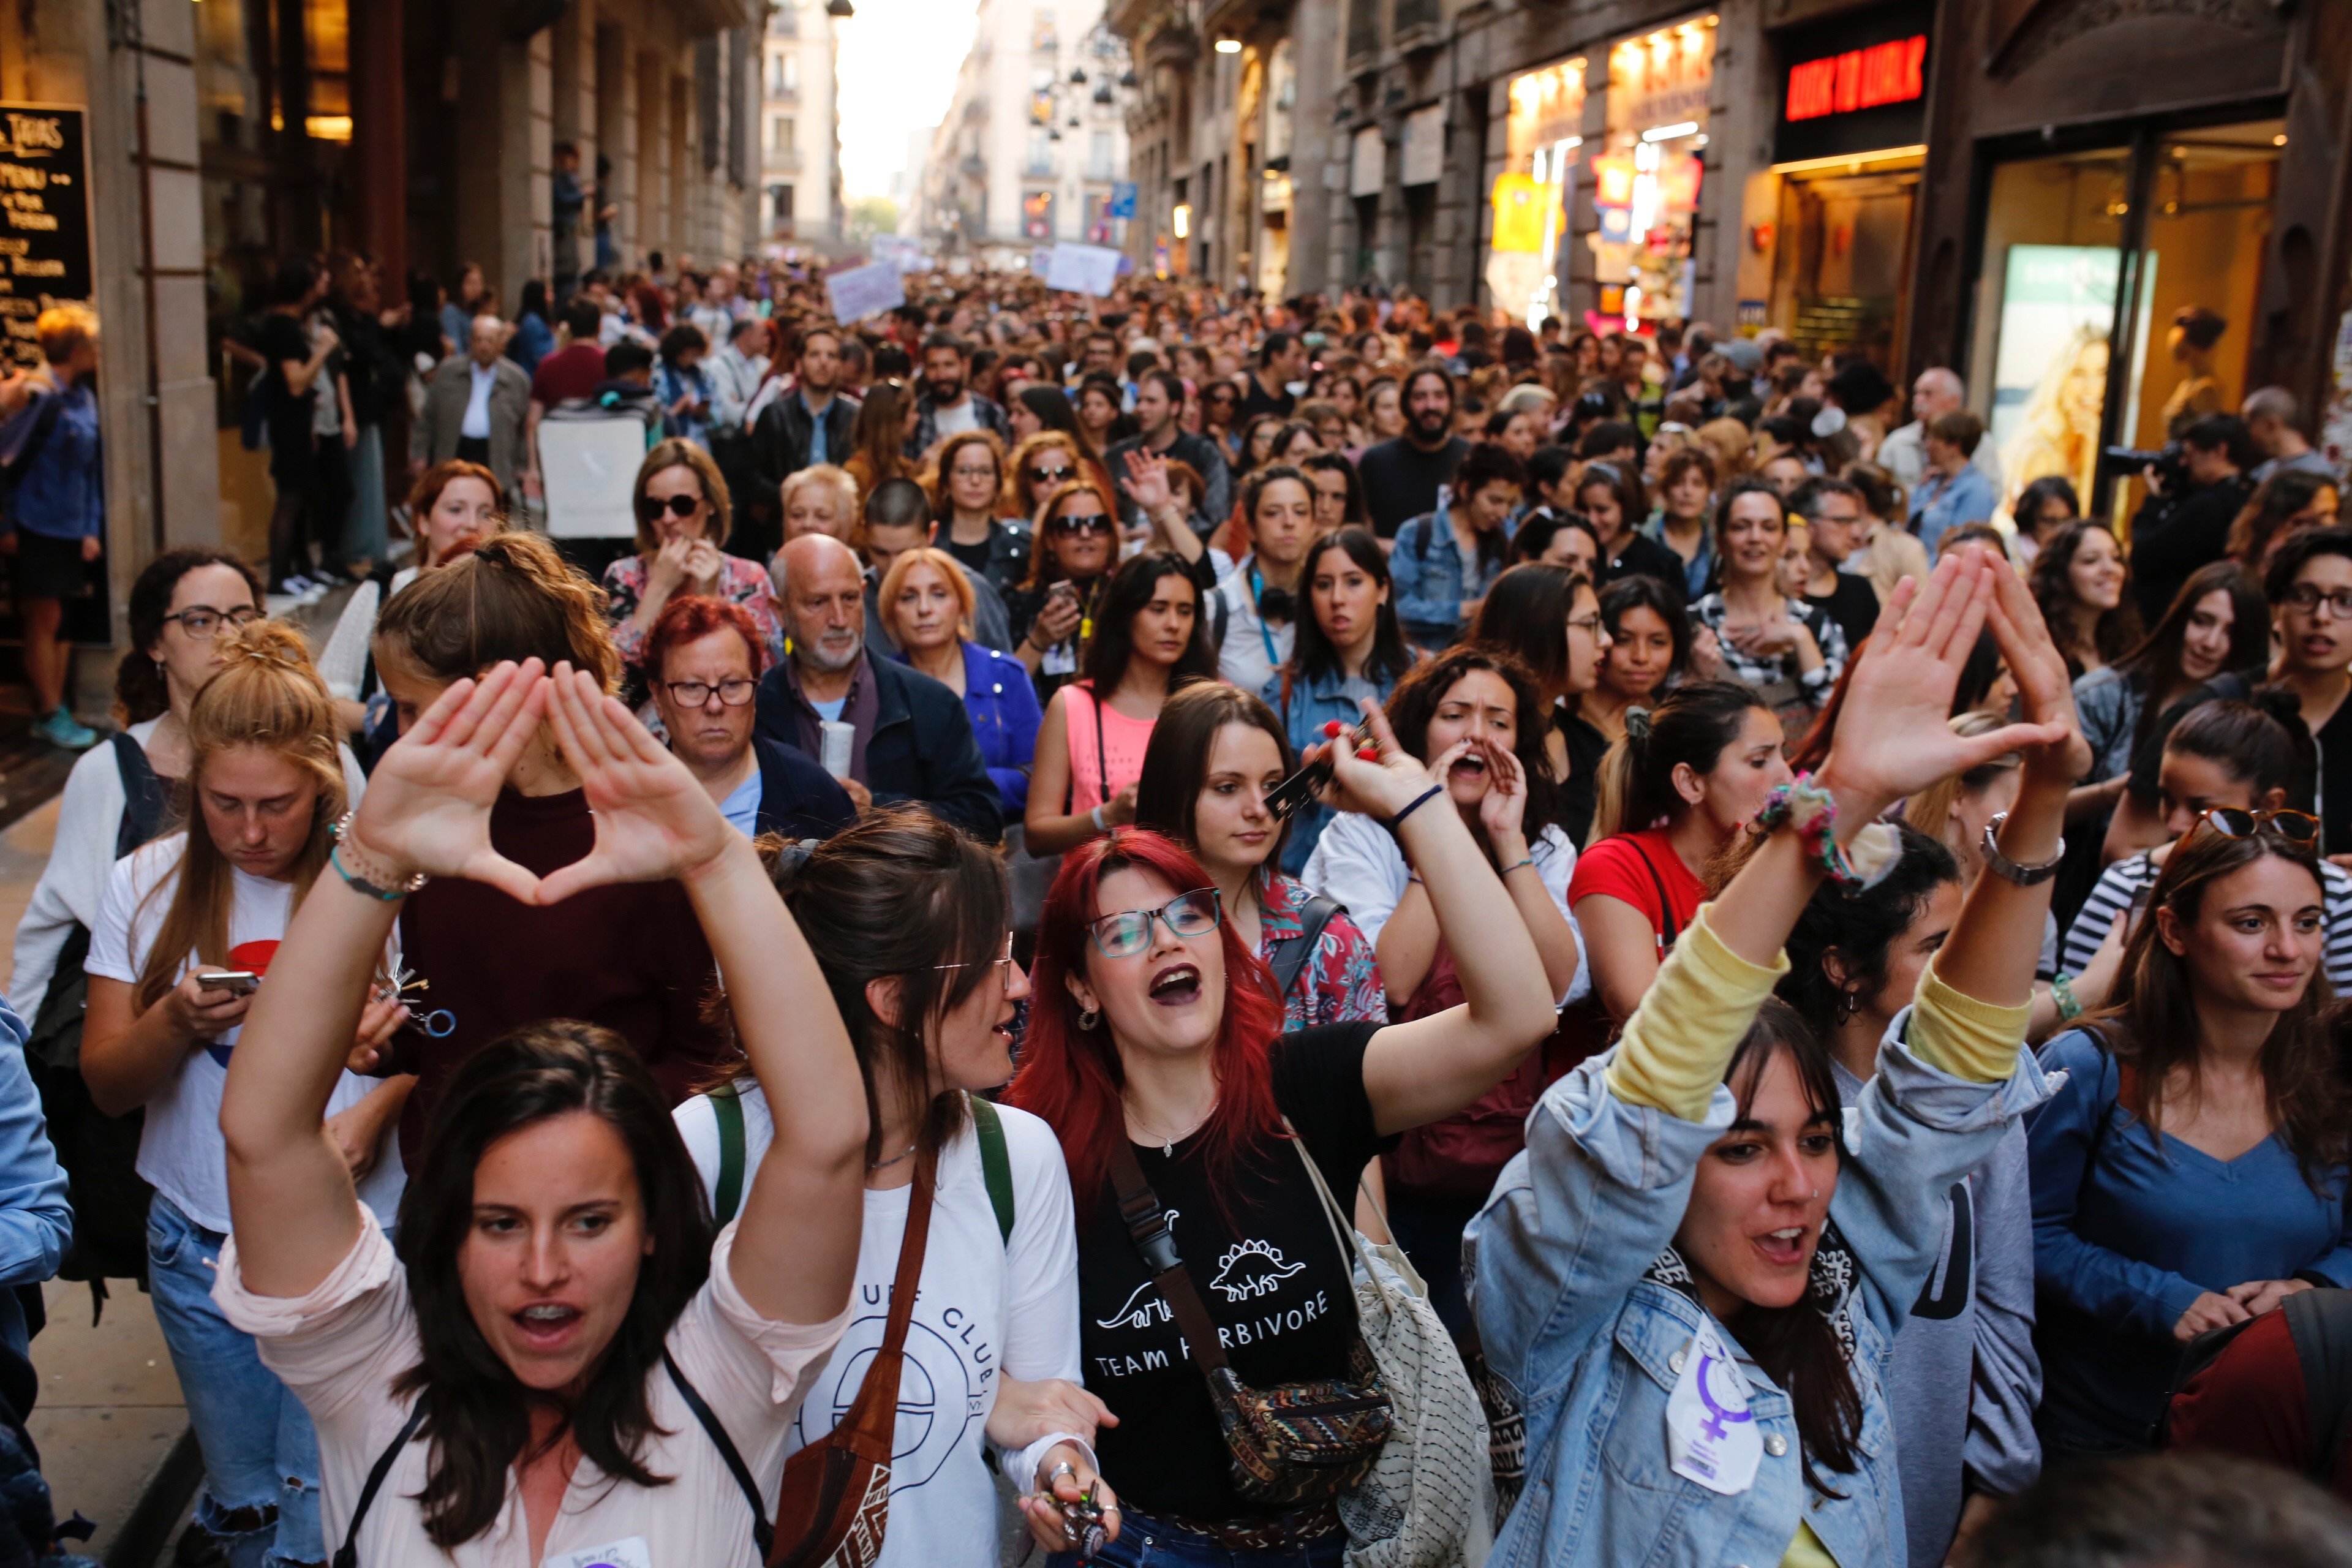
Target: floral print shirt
741, 581
1340, 982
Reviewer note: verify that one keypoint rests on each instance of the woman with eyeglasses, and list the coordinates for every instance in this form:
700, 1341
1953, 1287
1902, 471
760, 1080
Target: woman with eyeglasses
968, 496
185, 605
1147, 639
1152, 1052
926, 606
906, 918
1215, 755
2191, 1171
1052, 613
681, 505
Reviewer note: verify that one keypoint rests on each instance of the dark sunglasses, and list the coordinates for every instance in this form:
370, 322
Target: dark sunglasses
677, 506
2231, 822
1048, 476
1097, 522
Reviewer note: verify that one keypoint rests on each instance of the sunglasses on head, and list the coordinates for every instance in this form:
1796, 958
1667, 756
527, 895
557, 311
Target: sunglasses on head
1094, 523
2231, 822
650, 507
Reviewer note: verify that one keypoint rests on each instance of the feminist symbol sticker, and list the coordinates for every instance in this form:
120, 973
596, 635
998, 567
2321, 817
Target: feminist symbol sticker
1710, 1432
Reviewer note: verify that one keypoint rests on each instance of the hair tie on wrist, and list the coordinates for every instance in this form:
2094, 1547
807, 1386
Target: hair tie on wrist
1809, 809
1424, 798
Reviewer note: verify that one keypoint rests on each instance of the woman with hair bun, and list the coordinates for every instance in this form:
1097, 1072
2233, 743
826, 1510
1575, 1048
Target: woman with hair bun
267, 782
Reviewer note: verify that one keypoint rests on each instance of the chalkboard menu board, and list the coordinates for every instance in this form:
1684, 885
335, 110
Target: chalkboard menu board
44, 222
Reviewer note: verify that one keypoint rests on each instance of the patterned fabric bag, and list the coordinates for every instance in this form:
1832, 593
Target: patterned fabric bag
1295, 1443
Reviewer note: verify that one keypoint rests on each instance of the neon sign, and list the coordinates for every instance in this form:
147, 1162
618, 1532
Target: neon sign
1882, 74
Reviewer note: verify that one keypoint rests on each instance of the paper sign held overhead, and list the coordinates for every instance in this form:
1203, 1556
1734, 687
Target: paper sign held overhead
1082, 269
864, 291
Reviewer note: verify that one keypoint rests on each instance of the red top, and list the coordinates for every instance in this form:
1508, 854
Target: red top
2252, 1401
575, 372
1633, 868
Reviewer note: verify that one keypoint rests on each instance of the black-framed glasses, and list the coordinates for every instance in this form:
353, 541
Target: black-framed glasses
1048, 476
1128, 932
2308, 596
201, 621
1093, 523
2232, 822
733, 692
650, 507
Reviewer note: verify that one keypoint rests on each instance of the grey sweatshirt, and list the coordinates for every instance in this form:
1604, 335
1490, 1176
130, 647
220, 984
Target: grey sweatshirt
1971, 1328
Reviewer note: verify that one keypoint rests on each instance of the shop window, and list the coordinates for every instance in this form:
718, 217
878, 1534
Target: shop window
1543, 143
1038, 215
1646, 178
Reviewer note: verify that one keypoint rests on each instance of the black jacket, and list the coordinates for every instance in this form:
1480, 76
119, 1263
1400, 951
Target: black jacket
922, 747
798, 798
2172, 537
780, 437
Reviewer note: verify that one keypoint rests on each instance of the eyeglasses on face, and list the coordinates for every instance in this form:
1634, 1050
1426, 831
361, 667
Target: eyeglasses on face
1093, 523
201, 621
1128, 932
2231, 822
650, 507
733, 692
2308, 596
1003, 967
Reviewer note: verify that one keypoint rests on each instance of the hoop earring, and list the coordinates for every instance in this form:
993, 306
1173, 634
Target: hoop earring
1849, 1003
1088, 1019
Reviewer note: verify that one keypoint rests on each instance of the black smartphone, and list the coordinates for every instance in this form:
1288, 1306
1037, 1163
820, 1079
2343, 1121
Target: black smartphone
1287, 797
242, 981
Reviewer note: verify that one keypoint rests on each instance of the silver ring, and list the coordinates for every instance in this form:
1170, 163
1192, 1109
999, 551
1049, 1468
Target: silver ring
1058, 1471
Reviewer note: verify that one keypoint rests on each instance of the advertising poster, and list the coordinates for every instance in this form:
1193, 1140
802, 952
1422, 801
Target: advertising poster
2050, 364
44, 222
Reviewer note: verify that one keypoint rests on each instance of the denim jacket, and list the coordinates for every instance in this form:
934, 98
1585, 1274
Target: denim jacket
1304, 711
1594, 1349
1432, 580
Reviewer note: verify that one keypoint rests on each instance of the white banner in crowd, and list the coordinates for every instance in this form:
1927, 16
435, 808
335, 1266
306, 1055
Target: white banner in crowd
862, 291
1082, 269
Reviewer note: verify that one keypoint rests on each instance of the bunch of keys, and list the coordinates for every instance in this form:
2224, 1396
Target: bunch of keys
439, 1023
1082, 1524
1286, 798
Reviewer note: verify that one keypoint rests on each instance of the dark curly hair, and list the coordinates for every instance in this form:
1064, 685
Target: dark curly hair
139, 693
1860, 929
1415, 701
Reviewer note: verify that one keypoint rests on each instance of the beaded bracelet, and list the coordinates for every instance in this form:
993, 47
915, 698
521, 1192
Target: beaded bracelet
2062, 991
368, 878
1813, 811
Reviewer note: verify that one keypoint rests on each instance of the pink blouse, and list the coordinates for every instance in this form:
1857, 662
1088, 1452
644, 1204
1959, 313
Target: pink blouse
1100, 768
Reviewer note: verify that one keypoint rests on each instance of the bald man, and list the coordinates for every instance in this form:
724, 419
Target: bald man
910, 739
1903, 453
476, 405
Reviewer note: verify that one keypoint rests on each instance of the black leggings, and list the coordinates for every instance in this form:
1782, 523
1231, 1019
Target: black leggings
314, 491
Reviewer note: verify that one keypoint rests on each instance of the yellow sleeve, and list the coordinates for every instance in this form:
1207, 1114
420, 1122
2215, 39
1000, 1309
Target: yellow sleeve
1957, 1034
1806, 1551
1680, 1039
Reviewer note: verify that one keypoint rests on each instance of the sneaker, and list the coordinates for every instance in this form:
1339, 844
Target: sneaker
292, 583
62, 730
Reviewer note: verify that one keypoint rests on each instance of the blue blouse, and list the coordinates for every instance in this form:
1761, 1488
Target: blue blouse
2128, 1232
1002, 706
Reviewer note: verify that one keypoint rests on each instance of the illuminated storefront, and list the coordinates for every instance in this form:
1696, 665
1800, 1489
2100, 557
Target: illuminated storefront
1527, 202
1647, 179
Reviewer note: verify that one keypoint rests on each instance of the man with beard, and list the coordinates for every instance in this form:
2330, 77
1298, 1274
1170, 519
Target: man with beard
911, 738
810, 423
1158, 405
1401, 477
948, 406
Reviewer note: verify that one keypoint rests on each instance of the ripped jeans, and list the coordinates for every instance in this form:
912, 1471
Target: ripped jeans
261, 1455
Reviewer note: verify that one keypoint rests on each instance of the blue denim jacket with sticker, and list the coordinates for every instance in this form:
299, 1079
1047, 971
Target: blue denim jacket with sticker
1557, 1260
1431, 581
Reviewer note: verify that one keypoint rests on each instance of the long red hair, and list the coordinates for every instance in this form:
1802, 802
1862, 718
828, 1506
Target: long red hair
1072, 1076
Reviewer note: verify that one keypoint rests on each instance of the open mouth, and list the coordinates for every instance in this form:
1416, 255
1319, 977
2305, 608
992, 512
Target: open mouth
1784, 1248
1473, 767
1178, 985
545, 1325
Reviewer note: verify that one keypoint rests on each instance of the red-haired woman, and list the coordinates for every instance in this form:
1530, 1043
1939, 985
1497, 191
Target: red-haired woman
1148, 1052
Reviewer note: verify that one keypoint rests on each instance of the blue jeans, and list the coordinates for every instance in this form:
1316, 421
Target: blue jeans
261, 1455
1148, 1543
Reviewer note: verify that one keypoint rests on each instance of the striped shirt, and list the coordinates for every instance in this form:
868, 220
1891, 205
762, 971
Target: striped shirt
2125, 878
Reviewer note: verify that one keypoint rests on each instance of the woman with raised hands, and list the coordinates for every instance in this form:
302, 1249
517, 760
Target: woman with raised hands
1692, 1277
560, 1364
1152, 1053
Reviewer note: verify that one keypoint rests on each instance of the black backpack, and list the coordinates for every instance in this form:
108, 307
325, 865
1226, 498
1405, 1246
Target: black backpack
99, 1153
2320, 1321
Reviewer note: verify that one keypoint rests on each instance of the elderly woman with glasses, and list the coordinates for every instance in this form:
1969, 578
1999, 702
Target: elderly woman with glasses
681, 509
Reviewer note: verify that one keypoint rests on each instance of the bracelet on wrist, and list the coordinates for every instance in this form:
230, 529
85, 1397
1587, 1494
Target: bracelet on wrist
1415, 804
363, 871
2061, 992
1811, 811
1518, 865
2009, 870
1096, 816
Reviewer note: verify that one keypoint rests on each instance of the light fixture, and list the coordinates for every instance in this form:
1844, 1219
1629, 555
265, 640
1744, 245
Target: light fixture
1674, 132
1180, 220
840, 10
2279, 140
1229, 46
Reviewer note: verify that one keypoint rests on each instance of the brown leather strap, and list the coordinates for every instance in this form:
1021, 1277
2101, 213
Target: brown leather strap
872, 1419
1147, 1222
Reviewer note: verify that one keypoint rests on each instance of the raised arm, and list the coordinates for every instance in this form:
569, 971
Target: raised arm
795, 1250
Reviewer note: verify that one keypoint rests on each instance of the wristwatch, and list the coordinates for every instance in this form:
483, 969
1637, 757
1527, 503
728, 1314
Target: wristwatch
2009, 870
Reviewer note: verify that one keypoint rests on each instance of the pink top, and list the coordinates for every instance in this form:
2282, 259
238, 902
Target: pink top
1120, 760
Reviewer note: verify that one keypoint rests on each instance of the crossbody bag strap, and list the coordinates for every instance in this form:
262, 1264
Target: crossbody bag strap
347, 1555
1665, 909
763, 1534
1292, 952
995, 1164
1343, 1229
727, 1106
1102, 757
1147, 1222
874, 1413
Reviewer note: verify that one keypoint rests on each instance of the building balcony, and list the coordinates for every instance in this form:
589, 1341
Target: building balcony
1038, 169
1419, 24
1175, 46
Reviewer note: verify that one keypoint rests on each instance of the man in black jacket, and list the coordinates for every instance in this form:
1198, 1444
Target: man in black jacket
810, 423
2174, 534
909, 736
1159, 400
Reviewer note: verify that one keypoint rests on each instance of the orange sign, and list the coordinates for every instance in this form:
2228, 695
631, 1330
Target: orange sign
1859, 78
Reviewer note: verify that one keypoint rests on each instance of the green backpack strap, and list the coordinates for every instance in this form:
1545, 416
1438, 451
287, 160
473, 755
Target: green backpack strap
729, 1111
995, 1165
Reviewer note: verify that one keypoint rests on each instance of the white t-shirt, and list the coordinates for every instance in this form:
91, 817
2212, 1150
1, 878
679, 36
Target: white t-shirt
1254, 648
985, 1306
955, 421
179, 1148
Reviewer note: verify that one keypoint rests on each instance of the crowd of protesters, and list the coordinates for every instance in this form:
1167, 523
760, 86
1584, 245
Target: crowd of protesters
1418, 939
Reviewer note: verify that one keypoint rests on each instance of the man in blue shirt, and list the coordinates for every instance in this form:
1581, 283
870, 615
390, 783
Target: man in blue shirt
54, 497
1953, 490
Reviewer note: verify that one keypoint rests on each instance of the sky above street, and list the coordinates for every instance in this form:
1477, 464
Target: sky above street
897, 67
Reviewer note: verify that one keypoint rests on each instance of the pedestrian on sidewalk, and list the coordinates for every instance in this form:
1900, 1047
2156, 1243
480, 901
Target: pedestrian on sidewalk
53, 486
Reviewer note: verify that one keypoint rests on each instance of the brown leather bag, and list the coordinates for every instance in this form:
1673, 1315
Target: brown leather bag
835, 1500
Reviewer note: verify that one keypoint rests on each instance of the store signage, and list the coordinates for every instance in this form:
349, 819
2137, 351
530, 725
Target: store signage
44, 223
1885, 73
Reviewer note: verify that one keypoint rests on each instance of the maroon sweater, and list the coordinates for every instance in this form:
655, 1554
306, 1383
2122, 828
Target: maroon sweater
630, 957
